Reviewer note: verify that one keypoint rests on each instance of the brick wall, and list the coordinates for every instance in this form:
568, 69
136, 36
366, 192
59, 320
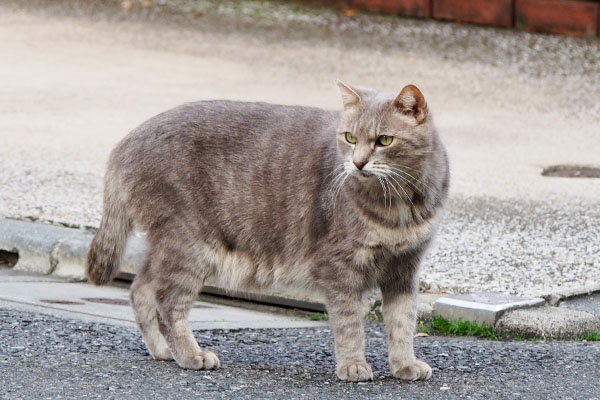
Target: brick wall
571, 17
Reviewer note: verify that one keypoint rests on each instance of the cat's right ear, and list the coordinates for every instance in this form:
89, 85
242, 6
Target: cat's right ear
350, 97
411, 102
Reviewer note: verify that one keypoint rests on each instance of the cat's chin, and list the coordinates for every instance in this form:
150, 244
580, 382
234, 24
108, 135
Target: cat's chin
364, 175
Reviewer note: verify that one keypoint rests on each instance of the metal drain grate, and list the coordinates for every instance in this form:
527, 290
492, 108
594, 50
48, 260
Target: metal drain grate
572, 171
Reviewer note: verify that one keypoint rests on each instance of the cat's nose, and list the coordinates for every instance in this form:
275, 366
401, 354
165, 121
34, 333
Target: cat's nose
358, 164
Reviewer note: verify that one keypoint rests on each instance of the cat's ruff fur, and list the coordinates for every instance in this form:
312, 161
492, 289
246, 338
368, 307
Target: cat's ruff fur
258, 194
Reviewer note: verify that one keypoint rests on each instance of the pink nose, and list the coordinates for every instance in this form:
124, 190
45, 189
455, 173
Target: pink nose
359, 165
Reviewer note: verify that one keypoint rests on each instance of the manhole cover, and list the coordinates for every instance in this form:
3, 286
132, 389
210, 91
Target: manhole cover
572, 171
64, 302
104, 300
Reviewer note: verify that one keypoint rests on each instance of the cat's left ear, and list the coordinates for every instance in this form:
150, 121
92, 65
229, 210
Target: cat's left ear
411, 102
350, 96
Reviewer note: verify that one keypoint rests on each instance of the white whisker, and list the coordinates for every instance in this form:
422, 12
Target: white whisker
384, 191
404, 191
411, 185
406, 173
337, 183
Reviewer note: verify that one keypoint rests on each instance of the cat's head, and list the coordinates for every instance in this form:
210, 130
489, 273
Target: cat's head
383, 137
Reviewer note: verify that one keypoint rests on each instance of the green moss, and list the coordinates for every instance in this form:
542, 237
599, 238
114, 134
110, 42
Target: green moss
464, 328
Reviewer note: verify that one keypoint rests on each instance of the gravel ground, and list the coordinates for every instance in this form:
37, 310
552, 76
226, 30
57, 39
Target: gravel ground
499, 98
524, 247
45, 357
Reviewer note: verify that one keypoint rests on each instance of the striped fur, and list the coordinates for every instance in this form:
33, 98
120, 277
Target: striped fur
259, 195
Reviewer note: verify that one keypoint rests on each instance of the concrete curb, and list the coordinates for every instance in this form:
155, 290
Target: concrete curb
557, 297
40, 247
61, 253
554, 323
484, 308
521, 316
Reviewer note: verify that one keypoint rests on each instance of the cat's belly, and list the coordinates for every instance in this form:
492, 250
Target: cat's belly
236, 270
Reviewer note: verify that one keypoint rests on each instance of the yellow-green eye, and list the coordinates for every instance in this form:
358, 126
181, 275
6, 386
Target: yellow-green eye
350, 139
384, 140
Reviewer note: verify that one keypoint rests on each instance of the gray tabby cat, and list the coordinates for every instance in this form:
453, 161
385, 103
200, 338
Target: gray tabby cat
257, 195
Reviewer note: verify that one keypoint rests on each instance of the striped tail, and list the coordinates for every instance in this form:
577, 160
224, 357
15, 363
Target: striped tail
106, 250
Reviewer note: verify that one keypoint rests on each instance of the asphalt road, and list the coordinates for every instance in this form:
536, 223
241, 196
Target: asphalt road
42, 356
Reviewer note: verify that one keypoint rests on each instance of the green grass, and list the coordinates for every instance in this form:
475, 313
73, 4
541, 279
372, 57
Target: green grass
317, 317
422, 328
592, 337
464, 328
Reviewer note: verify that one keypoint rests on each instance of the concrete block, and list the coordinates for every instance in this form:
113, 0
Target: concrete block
483, 308
547, 323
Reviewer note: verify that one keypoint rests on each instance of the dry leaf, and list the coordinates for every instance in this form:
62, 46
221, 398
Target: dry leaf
421, 334
147, 3
127, 4
349, 12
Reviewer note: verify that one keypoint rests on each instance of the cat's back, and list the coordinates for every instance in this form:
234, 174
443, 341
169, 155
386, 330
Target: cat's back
221, 128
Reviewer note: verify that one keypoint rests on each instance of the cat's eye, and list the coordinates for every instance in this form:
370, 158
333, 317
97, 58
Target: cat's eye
384, 140
350, 139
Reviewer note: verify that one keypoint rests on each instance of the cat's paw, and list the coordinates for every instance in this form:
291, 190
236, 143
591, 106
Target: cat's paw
412, 370
355, 372
161, 354
202, 360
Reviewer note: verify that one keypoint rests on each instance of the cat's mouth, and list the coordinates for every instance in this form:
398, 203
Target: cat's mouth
364, 174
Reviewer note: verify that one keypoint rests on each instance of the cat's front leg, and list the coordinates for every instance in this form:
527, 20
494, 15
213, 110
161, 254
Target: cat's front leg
346, 321
400, 317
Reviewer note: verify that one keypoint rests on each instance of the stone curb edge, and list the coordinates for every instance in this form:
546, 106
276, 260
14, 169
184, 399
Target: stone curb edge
61, 252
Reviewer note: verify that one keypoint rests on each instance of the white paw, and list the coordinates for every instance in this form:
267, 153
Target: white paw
355, 372
202, 360
162, 354
412, 370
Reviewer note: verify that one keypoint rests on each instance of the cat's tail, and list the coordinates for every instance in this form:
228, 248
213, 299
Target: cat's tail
106, 250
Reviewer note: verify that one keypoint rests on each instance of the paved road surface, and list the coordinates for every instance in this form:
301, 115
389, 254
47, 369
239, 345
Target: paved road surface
43, 356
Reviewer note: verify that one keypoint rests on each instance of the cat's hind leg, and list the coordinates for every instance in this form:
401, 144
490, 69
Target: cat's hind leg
143, 301
178, 278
